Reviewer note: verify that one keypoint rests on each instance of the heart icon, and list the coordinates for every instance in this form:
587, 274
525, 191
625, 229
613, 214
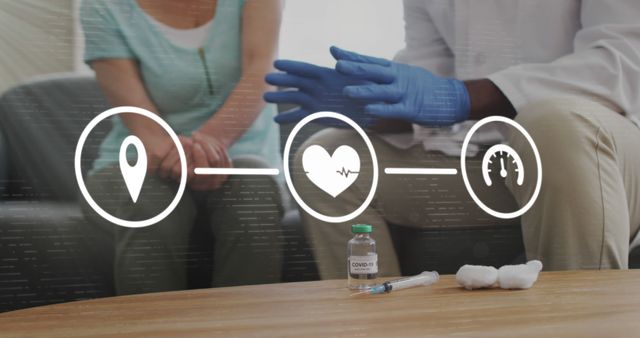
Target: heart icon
331, 173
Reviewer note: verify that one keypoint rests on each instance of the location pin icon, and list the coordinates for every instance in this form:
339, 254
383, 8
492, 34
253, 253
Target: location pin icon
133, 175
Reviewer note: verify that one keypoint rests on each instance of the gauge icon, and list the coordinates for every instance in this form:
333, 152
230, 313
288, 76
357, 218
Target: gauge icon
508, 154
498, 158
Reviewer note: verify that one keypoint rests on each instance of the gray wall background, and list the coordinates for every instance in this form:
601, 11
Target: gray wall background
37, 37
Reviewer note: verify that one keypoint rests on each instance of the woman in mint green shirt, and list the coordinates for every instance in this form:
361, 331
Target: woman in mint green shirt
200, 65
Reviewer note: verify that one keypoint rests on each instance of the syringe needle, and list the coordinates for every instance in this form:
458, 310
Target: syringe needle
364, 292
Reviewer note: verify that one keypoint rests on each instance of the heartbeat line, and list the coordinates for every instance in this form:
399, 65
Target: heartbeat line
344, 172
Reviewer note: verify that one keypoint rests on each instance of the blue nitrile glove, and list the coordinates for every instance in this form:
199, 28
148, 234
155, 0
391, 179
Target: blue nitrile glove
318, 89
402, 91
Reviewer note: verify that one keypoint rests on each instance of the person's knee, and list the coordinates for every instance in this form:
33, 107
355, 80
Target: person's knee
255, 185
261, 193
564, 132
109, 191
243, 185
553, 121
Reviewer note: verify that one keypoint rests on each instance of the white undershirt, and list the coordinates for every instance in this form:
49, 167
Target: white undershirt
185, 38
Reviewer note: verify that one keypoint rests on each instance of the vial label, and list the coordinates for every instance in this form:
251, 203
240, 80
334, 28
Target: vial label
360, 265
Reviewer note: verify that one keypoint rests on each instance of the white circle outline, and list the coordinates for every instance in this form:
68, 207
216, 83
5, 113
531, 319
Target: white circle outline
287, 174
78, 169
463, 167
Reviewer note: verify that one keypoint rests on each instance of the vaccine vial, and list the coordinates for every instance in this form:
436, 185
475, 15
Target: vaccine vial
362, 258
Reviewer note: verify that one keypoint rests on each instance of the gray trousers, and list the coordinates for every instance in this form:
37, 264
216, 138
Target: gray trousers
244, 216
587, 211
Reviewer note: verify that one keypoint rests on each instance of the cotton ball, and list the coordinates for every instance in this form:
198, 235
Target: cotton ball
519, 276
477, 276
535, 264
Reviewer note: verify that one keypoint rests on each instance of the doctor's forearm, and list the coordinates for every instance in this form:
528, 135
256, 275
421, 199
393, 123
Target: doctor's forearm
487, 100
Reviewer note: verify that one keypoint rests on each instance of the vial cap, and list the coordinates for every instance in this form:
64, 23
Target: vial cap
361, 228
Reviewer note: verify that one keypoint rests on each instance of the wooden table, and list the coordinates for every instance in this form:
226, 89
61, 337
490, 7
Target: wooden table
561, 304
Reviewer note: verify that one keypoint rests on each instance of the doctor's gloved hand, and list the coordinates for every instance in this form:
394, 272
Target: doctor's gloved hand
402, 91
316, 89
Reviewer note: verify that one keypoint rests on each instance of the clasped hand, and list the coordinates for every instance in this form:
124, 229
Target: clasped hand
200, 150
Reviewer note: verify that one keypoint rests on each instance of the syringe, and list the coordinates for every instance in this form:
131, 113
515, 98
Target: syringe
425, 278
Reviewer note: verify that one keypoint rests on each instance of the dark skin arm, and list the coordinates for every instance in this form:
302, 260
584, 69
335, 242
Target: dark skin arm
486, 100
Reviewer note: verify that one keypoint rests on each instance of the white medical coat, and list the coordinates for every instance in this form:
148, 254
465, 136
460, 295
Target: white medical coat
531, 49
